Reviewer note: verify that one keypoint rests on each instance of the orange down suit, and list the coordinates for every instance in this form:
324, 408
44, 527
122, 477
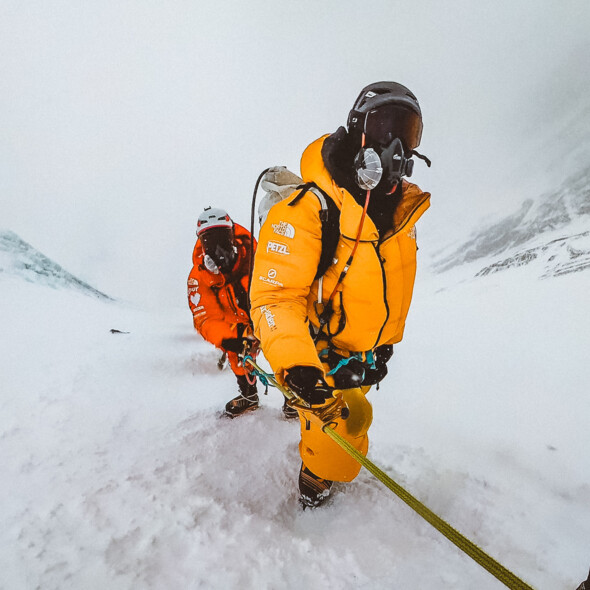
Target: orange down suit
372, 301
219, 302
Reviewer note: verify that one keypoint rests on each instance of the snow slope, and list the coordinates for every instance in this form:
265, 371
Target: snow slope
19, 259
116, 471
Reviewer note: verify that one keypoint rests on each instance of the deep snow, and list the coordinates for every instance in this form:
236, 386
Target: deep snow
117, 471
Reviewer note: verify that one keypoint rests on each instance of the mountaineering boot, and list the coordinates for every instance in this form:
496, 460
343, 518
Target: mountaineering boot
289, 412
313, 489
245, 402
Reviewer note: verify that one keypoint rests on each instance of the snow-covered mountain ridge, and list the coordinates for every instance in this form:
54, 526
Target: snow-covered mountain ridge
551, 233
19, 259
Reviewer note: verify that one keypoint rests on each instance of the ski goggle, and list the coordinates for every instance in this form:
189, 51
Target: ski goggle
214, 236
385, 123
218, 244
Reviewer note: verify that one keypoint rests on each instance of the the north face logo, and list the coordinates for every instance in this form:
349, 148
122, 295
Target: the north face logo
282, 228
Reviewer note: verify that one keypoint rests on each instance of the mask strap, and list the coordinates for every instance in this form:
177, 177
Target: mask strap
427, 160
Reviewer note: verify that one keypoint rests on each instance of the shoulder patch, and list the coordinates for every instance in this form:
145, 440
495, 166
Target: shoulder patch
283, 228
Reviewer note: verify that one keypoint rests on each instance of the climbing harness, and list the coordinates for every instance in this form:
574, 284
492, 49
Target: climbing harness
368, 357
501, 573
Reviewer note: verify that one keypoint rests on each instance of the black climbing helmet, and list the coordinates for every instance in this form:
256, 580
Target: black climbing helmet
384, 111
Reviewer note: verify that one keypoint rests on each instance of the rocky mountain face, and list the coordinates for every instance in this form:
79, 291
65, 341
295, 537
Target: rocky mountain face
551, 233
20, 259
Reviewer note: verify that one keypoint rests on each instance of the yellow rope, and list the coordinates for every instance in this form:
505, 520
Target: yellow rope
487, 562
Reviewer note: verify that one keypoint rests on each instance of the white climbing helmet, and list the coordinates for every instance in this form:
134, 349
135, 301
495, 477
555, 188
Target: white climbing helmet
213, 217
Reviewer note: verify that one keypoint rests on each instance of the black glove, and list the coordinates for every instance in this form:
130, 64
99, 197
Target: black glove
233, 345
382, 354
238, 344
308, 383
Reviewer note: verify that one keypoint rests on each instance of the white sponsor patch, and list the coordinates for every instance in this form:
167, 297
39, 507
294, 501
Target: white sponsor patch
193, 282
277, 248
270, 318
270, 278
412, 232
282, 228
195, 298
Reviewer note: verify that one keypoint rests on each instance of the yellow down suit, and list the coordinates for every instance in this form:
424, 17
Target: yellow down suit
370, 305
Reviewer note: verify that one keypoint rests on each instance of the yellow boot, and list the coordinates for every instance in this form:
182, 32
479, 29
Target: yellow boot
323, 456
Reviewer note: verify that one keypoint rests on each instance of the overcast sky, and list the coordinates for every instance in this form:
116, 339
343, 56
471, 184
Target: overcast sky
120, 121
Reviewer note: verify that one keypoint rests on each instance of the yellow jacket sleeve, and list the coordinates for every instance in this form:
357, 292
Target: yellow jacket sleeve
285, 265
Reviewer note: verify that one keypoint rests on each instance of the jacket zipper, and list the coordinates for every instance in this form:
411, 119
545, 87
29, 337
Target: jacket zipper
383, 269
231, 301
384, 279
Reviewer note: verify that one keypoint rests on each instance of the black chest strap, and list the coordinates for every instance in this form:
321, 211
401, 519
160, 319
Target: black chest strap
330, 219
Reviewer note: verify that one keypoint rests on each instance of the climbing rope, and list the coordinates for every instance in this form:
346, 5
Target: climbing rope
478, 555
487, 562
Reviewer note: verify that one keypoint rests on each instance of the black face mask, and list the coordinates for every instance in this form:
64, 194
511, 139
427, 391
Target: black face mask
395, 164
218, 244
382, 166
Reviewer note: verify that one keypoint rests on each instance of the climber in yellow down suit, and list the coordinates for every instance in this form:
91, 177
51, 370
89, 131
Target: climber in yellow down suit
334, 274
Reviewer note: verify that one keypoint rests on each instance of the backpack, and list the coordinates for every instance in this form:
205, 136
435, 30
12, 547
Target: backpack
279, 183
